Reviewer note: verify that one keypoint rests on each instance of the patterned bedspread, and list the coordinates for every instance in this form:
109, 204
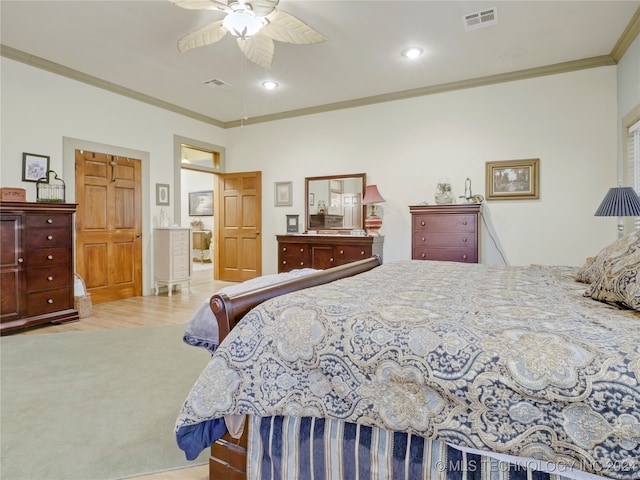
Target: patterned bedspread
505, 359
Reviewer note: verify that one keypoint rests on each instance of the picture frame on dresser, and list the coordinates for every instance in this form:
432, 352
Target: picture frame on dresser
513, 179
34, 166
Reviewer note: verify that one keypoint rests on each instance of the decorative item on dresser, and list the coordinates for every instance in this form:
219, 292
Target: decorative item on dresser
324, 251
36, 267
445, 232
372, 223
172, 257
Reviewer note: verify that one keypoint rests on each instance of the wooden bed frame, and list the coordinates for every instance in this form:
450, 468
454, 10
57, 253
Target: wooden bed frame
228, 459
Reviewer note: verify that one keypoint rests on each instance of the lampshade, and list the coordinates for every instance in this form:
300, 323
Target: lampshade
372, 195
619, 202
242, 23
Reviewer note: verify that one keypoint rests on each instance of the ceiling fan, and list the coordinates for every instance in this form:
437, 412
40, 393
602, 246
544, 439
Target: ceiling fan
255, 23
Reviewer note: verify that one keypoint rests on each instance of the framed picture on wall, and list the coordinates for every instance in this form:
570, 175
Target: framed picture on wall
162, 194
283, 194
201, 203
34, 167
513, 179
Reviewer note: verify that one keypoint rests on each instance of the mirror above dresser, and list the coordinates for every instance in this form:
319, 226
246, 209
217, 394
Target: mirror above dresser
334, 202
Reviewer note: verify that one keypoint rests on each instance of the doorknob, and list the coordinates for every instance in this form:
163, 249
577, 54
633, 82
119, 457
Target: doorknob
138, 235
257, 233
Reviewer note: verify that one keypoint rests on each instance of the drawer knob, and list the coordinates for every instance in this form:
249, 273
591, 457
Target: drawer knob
301, 250
284, 262
423, 255
331, 259
20, 260
49, 257
464, 223
464, 257
301, 264
464, 239
50, 300
341, 252
423, 239
362, 252
49, 237
284, 249
50, 278
49, 220
422, 223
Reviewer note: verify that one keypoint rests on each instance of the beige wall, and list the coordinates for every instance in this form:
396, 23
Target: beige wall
566, 120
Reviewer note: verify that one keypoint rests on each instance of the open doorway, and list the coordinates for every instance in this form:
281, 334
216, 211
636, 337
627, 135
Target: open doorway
197, 183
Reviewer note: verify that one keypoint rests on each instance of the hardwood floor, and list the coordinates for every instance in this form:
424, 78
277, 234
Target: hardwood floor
149, 311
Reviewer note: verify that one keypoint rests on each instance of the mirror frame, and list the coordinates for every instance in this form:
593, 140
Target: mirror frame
332, 230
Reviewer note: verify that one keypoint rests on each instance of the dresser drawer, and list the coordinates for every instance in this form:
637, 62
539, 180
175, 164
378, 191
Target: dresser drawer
48, 237
444, 239
42, 221
292, 250
291, 263
445, 223
49, 257
446, 254
48, 301
351, 253
48, 278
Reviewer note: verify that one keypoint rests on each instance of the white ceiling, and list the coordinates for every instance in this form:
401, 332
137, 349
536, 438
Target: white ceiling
132, 44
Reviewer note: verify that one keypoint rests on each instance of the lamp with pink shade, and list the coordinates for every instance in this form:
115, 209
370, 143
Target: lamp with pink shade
373, 222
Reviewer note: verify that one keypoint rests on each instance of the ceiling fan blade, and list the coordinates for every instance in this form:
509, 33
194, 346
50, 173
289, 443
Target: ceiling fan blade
262, 8
259, 49
203, 36
284, 27
201, 5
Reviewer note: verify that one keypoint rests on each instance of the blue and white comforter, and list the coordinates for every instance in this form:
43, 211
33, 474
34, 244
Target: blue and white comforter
505, 359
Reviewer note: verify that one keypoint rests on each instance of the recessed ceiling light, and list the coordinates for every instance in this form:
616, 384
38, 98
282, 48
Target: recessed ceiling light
412, 52
270, 85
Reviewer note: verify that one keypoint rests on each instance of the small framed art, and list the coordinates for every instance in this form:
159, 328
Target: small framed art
513, 179
162, 194
283, 194
293, 223
201, 203
34, 167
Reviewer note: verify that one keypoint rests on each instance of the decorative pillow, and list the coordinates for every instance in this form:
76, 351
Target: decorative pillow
593, 269
619, 281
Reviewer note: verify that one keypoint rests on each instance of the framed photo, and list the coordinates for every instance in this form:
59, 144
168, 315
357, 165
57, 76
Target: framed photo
513, 180
201, 203
283, 194
162, 194
34, 167
292, 223
312, 199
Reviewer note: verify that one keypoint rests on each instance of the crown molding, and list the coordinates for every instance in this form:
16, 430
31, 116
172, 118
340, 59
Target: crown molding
627, 38
593, 62
44, 64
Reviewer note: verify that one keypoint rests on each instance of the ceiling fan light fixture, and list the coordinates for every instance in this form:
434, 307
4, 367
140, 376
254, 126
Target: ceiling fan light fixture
242, 23
412, 52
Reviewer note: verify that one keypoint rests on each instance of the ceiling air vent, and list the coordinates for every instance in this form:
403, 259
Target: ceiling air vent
215, 83
484, 18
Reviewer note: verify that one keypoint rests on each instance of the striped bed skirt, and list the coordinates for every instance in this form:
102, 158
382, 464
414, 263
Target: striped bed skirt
304, 448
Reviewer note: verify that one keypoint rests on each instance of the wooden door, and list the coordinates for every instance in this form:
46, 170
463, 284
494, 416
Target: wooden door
109, 225
238, 217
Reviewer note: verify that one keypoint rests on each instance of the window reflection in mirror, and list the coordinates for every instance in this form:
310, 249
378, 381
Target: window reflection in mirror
335, 202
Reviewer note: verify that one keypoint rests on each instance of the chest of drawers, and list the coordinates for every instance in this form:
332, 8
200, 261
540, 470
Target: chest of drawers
36, 266
324, 251
445, 232
172, 257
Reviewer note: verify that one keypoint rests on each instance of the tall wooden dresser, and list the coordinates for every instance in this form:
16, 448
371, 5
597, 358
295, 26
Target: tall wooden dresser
324, 251
172, 257
36, 264
445, 232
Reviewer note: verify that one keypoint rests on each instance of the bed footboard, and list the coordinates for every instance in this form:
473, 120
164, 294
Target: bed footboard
228, 460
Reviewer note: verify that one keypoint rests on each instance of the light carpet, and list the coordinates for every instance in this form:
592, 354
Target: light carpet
94, 405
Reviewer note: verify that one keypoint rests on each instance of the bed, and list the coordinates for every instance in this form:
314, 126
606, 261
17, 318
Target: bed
419, 369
